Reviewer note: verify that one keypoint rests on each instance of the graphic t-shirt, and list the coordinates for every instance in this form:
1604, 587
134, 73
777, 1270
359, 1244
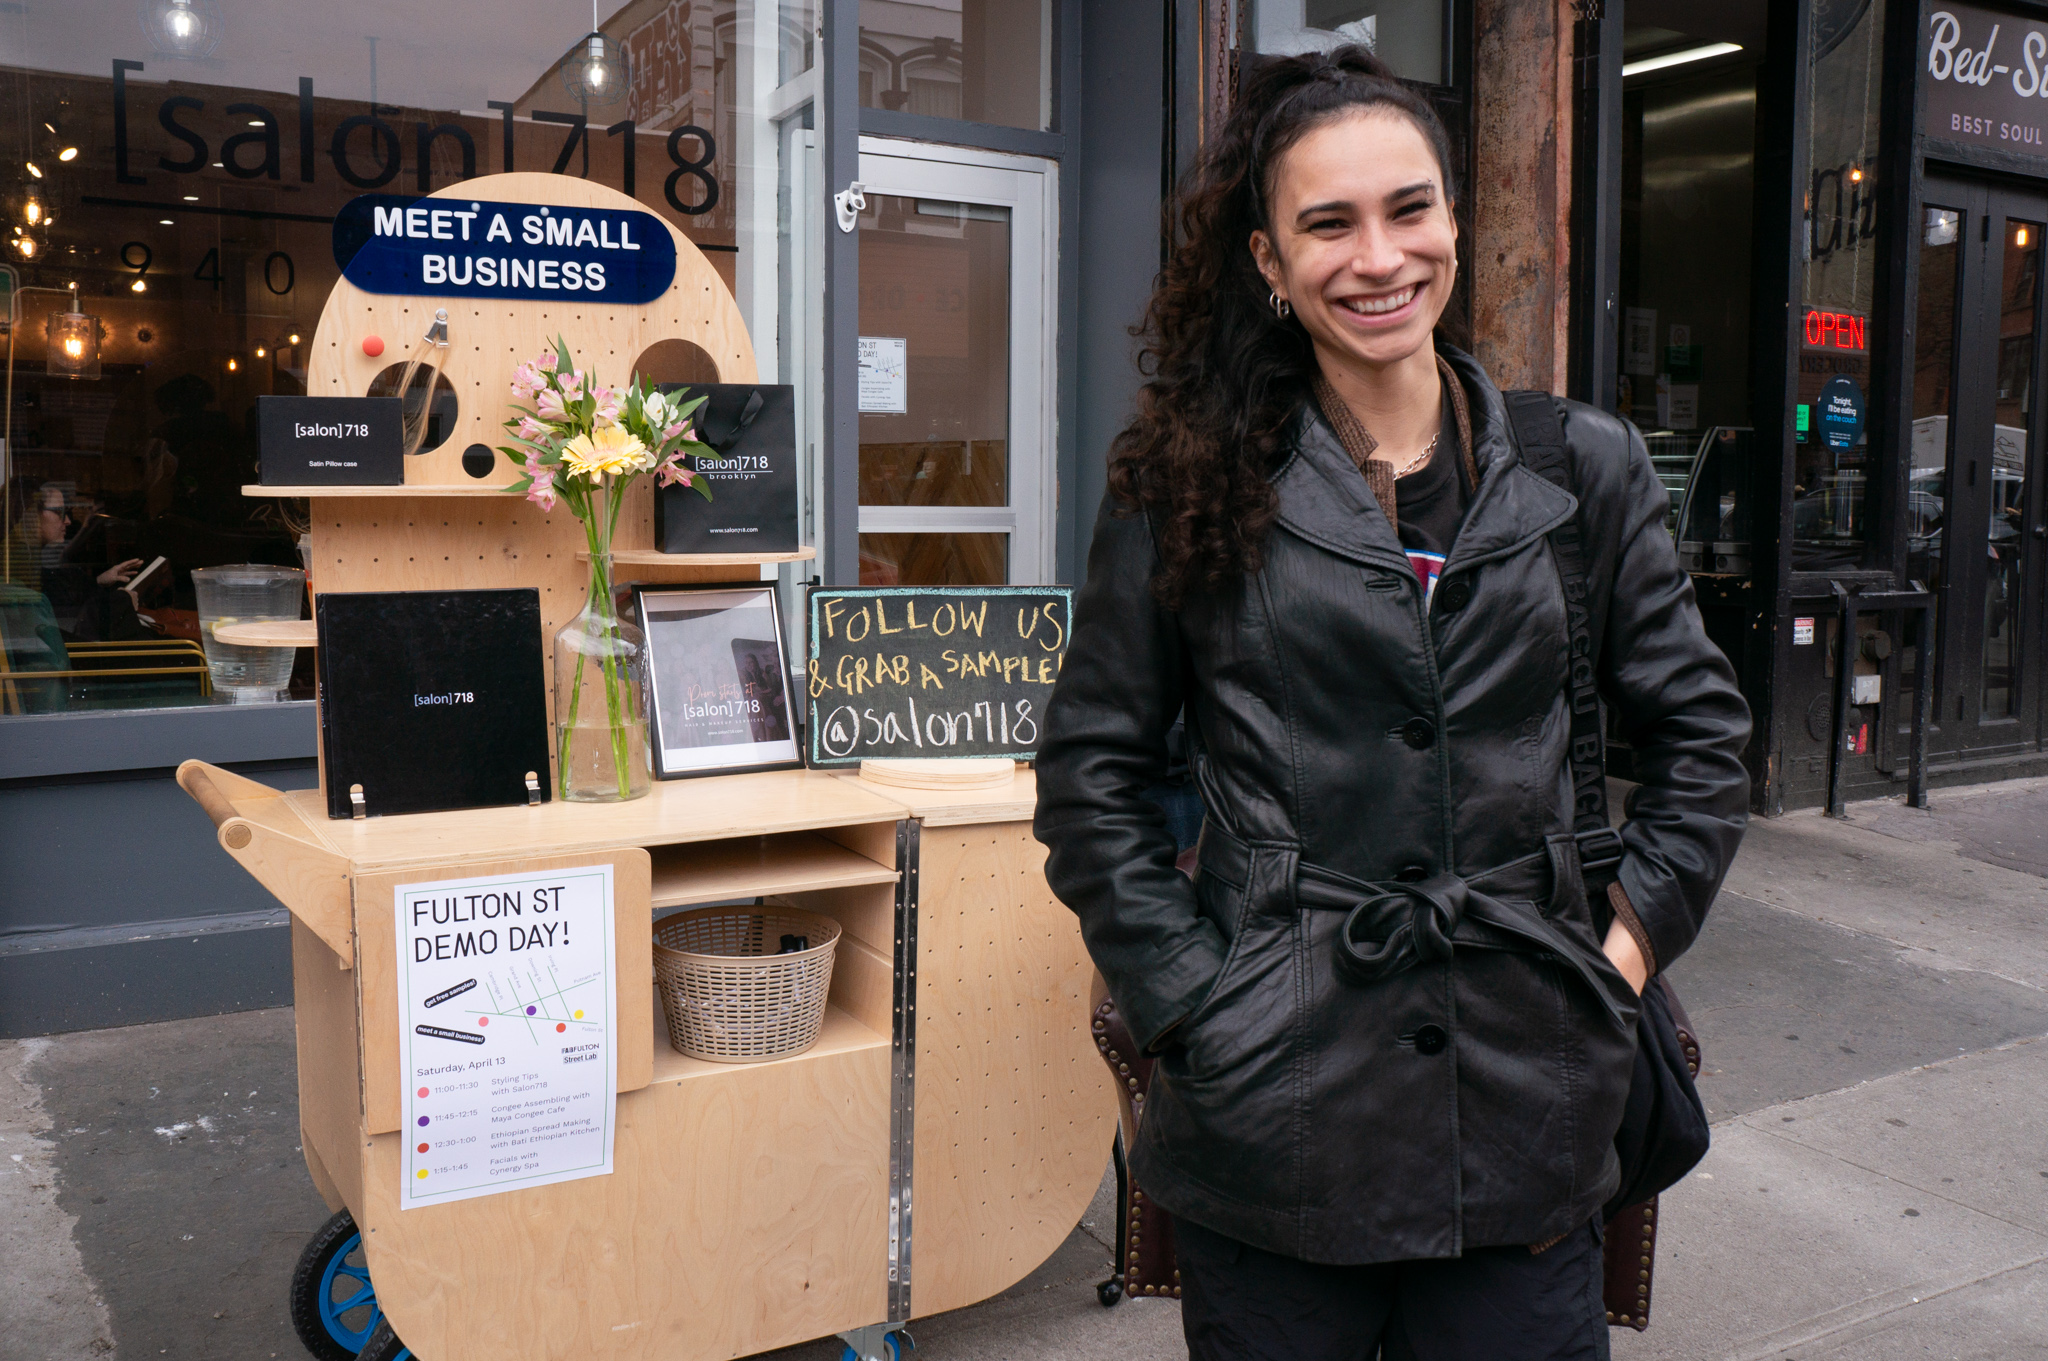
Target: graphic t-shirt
1429, 505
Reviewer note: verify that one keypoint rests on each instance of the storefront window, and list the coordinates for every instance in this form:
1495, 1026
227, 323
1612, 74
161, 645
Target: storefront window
1688, 133
1832, 510
184, 188
1408, 35
985, 61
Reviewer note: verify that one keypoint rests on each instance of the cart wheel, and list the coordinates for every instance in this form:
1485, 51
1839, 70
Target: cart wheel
894, 1342
333, 1305
384, 1345
1111, 1292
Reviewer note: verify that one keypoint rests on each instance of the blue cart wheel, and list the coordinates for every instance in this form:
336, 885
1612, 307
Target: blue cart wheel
333, 1305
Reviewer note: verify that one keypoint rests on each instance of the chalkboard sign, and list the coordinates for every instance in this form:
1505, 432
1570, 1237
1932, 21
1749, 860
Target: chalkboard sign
924, 671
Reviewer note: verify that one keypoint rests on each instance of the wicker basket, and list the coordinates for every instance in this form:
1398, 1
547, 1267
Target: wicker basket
728, 996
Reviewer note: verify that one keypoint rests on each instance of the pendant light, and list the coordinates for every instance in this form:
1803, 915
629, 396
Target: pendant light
182, 28
74, 342
598, 73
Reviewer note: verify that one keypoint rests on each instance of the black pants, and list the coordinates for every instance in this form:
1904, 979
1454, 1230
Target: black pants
1239, 1303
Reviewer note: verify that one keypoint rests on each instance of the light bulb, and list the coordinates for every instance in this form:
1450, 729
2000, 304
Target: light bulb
2020, 238
69, 153
260, 352
34, 169
184, 28
600, 75
232, 366
138, 287
27, 246
33, 211
293, 338
74, 347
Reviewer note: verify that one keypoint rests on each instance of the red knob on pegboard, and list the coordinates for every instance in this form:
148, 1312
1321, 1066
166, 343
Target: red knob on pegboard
373, 346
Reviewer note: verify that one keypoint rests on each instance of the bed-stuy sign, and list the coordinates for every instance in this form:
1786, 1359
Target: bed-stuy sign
506, 1004
909, 672
475, 248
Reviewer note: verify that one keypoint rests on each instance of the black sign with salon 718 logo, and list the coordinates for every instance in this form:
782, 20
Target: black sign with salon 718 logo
331, 441
924, 671
1987, 79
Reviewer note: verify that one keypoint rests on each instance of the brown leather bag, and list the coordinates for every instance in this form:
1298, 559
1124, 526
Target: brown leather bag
1145, 1262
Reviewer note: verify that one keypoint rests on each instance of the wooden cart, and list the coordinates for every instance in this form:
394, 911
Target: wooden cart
754, 1205
751, 1206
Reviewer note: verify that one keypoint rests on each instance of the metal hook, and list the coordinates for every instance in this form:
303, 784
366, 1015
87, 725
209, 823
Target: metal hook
850, 202
437, 334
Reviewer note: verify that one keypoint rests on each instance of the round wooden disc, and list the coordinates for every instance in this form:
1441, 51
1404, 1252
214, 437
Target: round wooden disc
956, 773
279, 633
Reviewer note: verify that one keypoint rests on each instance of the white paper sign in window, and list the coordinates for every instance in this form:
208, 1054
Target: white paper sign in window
885, 375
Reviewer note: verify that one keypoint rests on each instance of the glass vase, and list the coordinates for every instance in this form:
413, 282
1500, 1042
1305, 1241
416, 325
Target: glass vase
601, 699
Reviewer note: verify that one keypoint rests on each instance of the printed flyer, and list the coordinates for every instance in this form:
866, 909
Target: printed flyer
506, 1000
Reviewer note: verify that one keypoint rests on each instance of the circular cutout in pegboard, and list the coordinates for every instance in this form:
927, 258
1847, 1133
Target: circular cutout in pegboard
440, 411
676, 361
478, 460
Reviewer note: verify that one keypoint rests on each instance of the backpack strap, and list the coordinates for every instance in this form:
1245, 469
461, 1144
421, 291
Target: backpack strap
1539, 437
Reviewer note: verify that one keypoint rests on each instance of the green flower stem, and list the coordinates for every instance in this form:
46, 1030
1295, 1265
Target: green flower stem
601, 596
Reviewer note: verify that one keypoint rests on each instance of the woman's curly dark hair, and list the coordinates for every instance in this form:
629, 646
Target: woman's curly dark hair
1226, 374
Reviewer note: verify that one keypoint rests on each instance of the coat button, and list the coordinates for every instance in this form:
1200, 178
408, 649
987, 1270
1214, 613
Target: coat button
1418, 733
1455, 595
1430, 1040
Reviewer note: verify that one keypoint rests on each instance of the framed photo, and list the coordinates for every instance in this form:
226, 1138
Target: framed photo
720, 680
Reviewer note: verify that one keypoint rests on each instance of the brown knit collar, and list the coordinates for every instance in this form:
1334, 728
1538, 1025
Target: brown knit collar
1359, 443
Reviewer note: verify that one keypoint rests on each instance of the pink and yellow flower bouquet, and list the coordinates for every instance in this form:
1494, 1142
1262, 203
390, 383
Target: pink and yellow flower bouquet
582, 444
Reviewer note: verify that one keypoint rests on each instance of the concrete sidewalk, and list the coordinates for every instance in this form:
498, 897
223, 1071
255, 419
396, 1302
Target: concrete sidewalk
1872, 996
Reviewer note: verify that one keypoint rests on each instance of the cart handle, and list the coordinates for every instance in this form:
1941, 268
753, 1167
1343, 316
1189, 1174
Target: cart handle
196, 779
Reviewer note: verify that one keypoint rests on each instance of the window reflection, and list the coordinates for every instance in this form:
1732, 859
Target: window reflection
1408, 35
987, 61
2014, 404
1832, 512
195, 220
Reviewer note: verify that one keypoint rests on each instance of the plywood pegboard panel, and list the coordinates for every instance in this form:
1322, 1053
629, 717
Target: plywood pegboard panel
488, 338
387, 543
1015, 1111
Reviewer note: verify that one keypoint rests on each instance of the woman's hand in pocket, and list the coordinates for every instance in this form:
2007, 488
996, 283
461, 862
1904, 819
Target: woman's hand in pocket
1625, 955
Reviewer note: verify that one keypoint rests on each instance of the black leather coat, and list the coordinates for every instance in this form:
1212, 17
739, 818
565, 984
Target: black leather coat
1340, 728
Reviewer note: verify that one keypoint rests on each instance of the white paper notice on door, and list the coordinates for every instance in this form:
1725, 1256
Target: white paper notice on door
885, 375
506, 1000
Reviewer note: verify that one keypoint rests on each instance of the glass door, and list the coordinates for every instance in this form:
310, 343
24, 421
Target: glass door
956, 328
1974, 513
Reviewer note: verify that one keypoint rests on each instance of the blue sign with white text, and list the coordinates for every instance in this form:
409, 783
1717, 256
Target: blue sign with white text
462, 248
1839, 412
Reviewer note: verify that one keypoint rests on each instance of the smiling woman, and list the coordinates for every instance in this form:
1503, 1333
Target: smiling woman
1395, 1014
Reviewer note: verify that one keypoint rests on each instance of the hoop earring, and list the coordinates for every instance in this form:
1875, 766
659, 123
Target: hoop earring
1281, 307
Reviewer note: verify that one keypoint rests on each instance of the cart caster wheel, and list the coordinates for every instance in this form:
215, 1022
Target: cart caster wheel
384, 1345
894, 1344
1111, 1292
332, 1303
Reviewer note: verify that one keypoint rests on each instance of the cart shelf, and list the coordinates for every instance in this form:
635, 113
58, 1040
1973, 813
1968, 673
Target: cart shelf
840, 1036
785, 862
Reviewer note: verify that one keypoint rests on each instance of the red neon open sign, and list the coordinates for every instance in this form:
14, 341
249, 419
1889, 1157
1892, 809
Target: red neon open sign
1835, 331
